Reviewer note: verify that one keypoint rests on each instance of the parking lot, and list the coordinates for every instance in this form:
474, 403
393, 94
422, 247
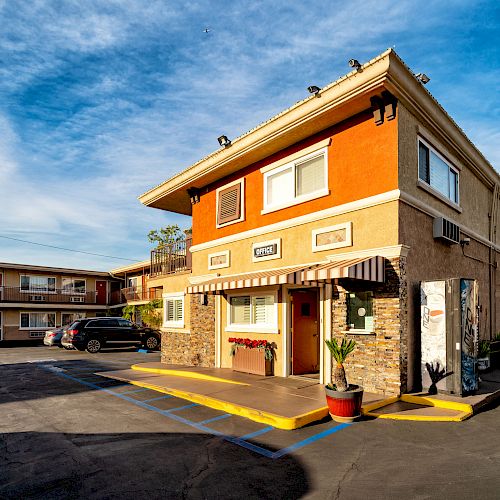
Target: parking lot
68, 433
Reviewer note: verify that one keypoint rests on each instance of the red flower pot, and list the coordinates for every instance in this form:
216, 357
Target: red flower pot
345, 406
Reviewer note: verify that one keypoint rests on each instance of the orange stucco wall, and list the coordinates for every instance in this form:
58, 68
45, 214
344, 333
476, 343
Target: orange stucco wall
362, 162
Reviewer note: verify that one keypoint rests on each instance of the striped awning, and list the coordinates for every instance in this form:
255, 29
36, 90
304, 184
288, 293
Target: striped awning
368, 269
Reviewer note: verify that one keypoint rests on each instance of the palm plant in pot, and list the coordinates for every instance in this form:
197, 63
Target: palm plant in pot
344, 400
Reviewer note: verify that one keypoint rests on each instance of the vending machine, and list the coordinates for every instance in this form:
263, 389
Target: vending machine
449, 335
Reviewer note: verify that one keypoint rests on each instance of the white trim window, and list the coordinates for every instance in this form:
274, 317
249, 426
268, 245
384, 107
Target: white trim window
35, 320
230, 203
360, 312
38, 284
69, 318
437, 172
74, 285
255, 312
173, 310
300, 180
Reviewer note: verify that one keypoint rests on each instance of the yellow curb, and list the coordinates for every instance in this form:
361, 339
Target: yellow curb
278, 421
185, 374
465, 409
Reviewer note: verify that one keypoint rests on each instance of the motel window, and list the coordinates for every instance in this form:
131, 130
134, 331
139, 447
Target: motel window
252, 313
301, 180
69, 318
37, 283
360, 311
230, 203
173, 310
435, 171
73, 285
38, 320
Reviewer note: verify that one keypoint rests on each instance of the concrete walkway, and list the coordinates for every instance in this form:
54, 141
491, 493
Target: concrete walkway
287, 403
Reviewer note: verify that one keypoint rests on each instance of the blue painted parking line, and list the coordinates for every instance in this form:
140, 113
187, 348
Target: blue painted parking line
200, 425
256, 433
165, 396
220, 417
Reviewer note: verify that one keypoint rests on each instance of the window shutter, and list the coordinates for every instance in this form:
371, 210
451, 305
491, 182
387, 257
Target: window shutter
170, 310
229, 206
178, 310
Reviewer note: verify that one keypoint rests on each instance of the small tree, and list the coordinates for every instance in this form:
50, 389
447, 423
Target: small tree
166, 235
340, 353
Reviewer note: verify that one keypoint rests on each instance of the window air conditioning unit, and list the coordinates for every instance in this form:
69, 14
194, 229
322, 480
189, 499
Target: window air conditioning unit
37, 335
77, 299
37, 298
446, 230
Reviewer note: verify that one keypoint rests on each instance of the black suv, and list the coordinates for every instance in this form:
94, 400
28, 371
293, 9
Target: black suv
93, 334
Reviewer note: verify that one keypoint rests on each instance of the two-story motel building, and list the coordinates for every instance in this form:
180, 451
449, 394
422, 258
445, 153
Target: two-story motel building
322, 222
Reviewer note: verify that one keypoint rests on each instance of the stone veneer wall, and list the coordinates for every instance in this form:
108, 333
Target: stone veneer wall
196, 348
380, 361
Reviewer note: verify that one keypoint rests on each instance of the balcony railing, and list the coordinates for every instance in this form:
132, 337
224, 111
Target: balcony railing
139, 293
16, 294
172, 258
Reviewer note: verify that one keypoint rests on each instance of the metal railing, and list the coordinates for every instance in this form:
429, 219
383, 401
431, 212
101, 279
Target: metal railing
139, 293
172, 258
44, 296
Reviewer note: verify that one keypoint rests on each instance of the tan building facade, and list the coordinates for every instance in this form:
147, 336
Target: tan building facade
34, 299
322, 222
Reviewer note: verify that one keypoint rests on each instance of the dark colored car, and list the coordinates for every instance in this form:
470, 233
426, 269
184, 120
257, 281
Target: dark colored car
92, 334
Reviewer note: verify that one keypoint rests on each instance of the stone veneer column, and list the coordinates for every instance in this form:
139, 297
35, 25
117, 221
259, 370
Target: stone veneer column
196, 348
380, 361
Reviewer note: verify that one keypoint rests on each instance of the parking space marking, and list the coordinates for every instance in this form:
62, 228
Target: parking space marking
219, 417
239, 441
257, 433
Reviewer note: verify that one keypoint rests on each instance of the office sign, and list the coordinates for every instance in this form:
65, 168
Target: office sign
266, 250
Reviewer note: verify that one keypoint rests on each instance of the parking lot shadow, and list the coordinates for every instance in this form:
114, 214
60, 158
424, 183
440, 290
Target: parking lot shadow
141, 465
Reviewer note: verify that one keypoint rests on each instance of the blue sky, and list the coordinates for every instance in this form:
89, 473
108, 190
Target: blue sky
102, 100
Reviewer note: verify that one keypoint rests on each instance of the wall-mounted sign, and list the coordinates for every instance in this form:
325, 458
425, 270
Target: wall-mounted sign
266, 250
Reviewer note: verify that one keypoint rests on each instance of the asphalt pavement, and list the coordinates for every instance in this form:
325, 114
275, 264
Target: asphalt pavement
68, 433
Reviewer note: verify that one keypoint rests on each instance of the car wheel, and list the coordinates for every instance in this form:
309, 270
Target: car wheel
151, 342
93, 346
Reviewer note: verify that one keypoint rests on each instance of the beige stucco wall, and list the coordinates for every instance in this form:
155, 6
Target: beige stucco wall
429, 259
372, 227
475, 197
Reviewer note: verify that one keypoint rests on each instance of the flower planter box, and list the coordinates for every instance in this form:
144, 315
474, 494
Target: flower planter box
252, 361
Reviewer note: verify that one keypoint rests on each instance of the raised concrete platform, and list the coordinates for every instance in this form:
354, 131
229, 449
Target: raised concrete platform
285, 403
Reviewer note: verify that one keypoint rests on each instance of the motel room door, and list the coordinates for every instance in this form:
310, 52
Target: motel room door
101, 292
305, 332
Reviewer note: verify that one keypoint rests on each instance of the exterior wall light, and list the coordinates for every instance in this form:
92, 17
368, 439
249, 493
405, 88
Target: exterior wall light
354, 63
422, 78
194, 195
314, 90
224, 141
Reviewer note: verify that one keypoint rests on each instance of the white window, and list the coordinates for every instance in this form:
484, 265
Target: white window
37, 320
74, 285
38, 284
132, 282
68, 318
435, 171
300, 180
252, 313
360, 311
173, 310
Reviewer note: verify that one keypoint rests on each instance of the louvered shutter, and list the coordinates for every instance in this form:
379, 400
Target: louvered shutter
229, 205
170, 310
178, 310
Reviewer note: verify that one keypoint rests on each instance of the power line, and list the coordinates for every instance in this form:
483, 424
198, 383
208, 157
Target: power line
67, 249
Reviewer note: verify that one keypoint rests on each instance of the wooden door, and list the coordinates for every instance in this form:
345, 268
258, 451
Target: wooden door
305, 332
101, 292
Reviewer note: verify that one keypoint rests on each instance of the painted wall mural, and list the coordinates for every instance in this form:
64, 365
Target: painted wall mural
468, 305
